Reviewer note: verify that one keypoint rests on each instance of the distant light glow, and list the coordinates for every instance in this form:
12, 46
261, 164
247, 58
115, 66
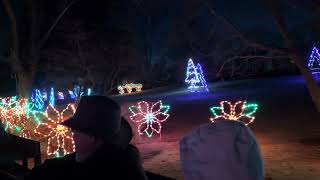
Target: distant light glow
89, 91
72, 96
60, 95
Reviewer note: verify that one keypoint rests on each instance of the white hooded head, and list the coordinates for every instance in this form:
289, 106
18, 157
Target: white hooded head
224, 150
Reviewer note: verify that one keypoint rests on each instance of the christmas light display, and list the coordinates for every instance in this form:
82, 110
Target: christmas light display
37, 99
60, 138
129, 88
20, 117
25, 128
314, 61
138, 87
71, 94
192, 76
10, 113
52, 98
149, 117
195, 78
26, 114
14, 115
45, 96
239, 111
60, 95
121, 89
78, 91
202, 80
8, 101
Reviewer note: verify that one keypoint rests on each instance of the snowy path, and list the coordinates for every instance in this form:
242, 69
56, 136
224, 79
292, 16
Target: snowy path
287, 125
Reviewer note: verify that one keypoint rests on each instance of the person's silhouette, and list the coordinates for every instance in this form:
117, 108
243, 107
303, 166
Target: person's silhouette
102, 140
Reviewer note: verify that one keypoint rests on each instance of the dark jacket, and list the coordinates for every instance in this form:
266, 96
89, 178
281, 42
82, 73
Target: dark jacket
108, 162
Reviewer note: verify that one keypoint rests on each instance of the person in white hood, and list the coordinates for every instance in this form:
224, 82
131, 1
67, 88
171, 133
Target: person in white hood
224, 150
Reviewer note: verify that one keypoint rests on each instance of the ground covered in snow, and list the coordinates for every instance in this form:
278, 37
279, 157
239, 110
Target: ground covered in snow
287, 125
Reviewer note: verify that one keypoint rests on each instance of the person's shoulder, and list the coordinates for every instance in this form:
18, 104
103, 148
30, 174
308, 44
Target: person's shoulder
132, 151
155, 176
48, 169
133, 163
131, 147
132, 155
70, 158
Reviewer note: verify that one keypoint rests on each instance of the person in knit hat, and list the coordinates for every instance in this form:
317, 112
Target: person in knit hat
102, 142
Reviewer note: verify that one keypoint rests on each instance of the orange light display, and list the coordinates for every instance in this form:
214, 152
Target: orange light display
60, 138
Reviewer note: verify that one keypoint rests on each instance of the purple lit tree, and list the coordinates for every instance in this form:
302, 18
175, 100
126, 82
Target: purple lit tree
314, 61
201, 76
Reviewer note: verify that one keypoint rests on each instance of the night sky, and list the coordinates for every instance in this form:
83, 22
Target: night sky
166, 28
245, 14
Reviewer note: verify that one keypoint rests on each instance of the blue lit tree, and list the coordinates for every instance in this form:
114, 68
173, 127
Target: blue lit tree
52, 98
203, 82
37, 99
192, 76
195, 78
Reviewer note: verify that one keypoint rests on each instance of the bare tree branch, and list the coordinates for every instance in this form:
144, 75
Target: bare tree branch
182, 23
311, 83
15, 36
280, 22
47, 34
111, 85
13, 20
247, 58
209, 54
238, 34
314, 6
